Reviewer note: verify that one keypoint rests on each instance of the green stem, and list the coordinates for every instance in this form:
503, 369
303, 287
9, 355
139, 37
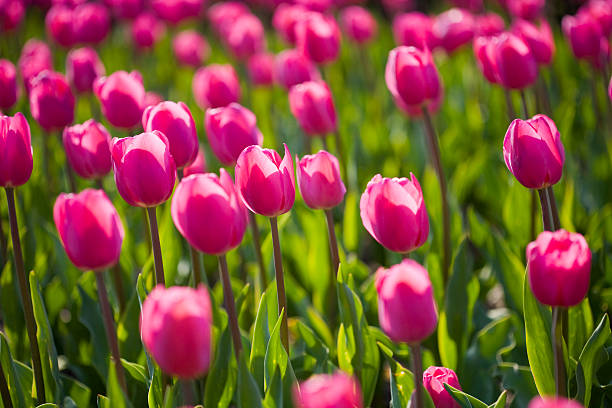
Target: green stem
187, 390
509, 106
195, 264
230, 306
559, 363
118, 282
340, 149
553, 208
280, 283
335, 264
532, 221
257, 245
524, 105
417, 370
547, 219
157, 256
4, 391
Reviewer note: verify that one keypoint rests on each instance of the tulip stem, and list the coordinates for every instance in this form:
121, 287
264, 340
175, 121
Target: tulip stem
434, 152
547, 218
4, 391
280, 283
509, 106
195, 264
559, 364
417, 371
532, 220
553, 208
26, 297
335, 263
118, 282
524, 105
228, 299
157, 256
339, 148
187, 390
257, 245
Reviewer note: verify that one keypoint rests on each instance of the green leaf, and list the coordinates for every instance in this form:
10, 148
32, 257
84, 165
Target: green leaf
314, 345
587, 364
136, 371
221, 379
501, 401
580, 327
266, 316
21, 393
156, 392
104, 402
79, 393
277, 361
248, 395
115, 394
465, 400
401, 380
91, 317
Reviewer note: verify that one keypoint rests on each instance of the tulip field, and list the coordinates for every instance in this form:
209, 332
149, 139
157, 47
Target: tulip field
306, 203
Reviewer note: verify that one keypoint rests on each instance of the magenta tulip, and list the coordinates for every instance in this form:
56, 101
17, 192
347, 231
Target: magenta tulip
453, 28
584, 35
293, 68
223, 14
147, 30
121, 96
539, 39
11, 15
319, 180
152, 98
260, 68
600, 10
35, 58
176, 11
8, 84
91, 23
312, 105
51, 100
87, 147
285, 18
516, 65
318, 37
472, 5
190, 48
434, 379
321, 6
553, 402
398, 6
198, 166
126, 9
526, 9
15, 151
358, 24
489, 24
610, 89
215, 86
245, 37
338, 390
83, 67
484, 51
414, 29
59, 22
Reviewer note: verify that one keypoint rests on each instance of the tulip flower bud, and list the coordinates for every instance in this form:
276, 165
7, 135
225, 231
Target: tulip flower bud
83, 67
144, 168
175, 122
175, 11
8, 84
453, 28
293, 68
285, 18
215, 86
533, 152
35, 58
265, 183
260, 68
51, 100
539, 40
401, 288
176, 329
245, 37
398, 6
190, 48
126, 9
412, 78
338, 390
559, 268
198, 166
525, 9
59, 22
516, 64
147, 29
489, 24
318, 37
600, 10
16, 147
320, 6
610, 89
223, 14
553, 402
87, 147
484, 51
230, 130
434, 379
312, 105
319, 180
91, 23
11, 15
358, 24
152, 99
414, 29
121, 96
584, 35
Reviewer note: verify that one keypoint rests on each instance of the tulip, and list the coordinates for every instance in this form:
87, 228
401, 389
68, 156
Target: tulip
285, 18
190, 48
91, 23
338, 390
489, 24
472, 5
610, 89
59, 22
174, 120
413, 29
16, 147
260, 68
533, 152
525, 9
223, 14
8, 84
83, 67
484, 51
230, 130
553, 402
51, 100
434, 379
319, 180
147, 30
176, 329
198, 166
293, 68
539, 40
453, 28
397, 6
35, 58
245, 37
584, 35
394, 213
312, 105
215, 86
126, 9
152, 99
600, 10
358, 24
87, 147
515, 62
121, 96
176, 11
321, 6
318, 37
11, 15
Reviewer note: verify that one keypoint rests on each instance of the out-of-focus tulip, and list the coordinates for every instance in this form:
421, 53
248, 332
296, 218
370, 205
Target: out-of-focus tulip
59, 22
539, 39
401, 288
584, 35
285, 18
91, 23
174, 120
394, 213
358, 24
11, 14
83, 67
260, 68
51, 100
144, 168
223, 14
321, 6
146, 30
413, 29
319, 180
553, 402
525, 9
176, 328
293, 68
16, 151
90, 229
126, 9
8, 84
434, 379
473, 5
484, 51
175, 11
313, 106
35, 58
516, 65
190, 48
230, 130
265, 183
121, 96
318, 37
489, 24
600, 10
338, 390
245, 37
533, 152
215, 86
88, 149
453, 28
398, 6
205, 199
610, 89
152, 99
559, 268
198, 166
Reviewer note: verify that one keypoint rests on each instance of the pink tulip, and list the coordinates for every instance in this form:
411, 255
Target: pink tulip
318, 37
176, 328
533, 152
600, 10
434, 379
584, 35
516, 65
453, 28
190, 48
320, 6
319, 180
610, 89
484, 51
91, 23
35, 58
176, 11
205, 199
413, 29
8, 84
15, 151
223, 14
145, 172
358, 24
121, 96
126, 9
338, 390
245, 37
526, 9
51, 101
215, 86
174, 120
11, 14
553, 402
147, 30
70, 3
59, 22
489, 24
539, 39
312, 105
394, 213
265, 183
293, 68
88, 149
260, 68
83, 67
398, 6
198, 166
472, 5
406, 306
285, 18
152, 99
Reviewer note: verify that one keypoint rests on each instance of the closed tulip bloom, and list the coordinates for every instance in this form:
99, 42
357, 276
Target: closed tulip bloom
293, 68
147, 30
144, 168
583, 34
533, 152
484, 51
600, 10
190, 48
15, 151
526, 9
152, 98
406, 306
265, 183
472, 5
230, 130
285, 18
59, 22
338, 390
393, 211
412, 77
321, 6
121, 96
174, 120
413, 29
260, 68
87, 147
398, 6
489, 24
198, 166
176, 329
312, 105
215, 86
245, 37
453, 28
358, 24
83, 67
223, 14
11, 14
516, 64
539, 39
35, 57
51, 100
434, 379
319, 180
553, 402
8, 84
610, 90
318, 37
175, 11
126, 9
91, 23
